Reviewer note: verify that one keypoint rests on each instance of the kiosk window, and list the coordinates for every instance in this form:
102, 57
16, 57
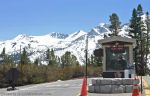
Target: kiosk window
113, 58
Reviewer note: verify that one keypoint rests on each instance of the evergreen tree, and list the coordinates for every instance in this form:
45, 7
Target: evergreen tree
95, 61
141, 27
65, 59
6, 58
68, 60
2, 56
133, 25
115, 24
136, 31
74, 61
24, 57
58, 59
36, 62
147, 35
142, 40
98, 61
51, 58
92, 60
133, 32
48, 54
140, 10
3, 52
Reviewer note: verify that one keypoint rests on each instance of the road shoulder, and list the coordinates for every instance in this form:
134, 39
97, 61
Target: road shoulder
146, 85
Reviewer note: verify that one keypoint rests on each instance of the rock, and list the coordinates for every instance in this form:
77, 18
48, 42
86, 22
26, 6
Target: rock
118, 89
127, 81
106, 81
117, 81
94, 81
128, 88
97, 89
91, 89
98, 81
105, 88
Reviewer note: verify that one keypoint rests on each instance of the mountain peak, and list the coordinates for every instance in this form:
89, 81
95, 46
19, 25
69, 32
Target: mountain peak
21, 36
101, 28
102, 24
81, 31
58, 35
76, 35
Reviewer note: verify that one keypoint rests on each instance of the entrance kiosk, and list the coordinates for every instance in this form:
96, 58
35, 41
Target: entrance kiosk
118, 67
117, 56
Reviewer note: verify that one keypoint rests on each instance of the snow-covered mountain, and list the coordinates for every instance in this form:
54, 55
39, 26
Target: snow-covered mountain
75, 43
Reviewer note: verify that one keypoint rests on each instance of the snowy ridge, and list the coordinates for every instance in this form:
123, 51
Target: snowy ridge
36, 46
75, 35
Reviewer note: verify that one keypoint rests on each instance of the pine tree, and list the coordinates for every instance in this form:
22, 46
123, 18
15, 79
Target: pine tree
65, 59
36, 62
48, 57
142, 40
133, 32
92, 60
115, 24
140, 10
98, 61
58, 59
133, 25
147, 35
136, 31
3, 52
2, 56
6, 58
51, 58
24, 57
141, 27
48, 54
95, 61
68, 60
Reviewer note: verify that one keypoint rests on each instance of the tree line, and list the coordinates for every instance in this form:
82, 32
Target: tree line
63, 68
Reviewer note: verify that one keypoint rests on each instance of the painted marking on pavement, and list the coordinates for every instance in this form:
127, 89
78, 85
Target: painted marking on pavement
146, 88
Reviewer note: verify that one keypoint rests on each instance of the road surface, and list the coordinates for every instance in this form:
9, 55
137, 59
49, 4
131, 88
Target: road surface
59, 88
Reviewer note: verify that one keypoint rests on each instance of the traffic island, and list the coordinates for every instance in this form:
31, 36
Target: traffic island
112, 85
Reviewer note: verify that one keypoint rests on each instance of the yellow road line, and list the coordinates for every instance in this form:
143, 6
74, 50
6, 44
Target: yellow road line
145, 84
146, 89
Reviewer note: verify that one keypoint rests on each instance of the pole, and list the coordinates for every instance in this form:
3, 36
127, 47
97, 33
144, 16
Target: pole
86, 58
141, 85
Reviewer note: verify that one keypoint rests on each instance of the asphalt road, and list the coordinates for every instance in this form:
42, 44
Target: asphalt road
59, 88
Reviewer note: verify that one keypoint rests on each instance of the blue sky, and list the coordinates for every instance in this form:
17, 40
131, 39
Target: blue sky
40, 17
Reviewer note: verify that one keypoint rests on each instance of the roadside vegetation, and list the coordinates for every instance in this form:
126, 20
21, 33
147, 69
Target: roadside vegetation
57, 68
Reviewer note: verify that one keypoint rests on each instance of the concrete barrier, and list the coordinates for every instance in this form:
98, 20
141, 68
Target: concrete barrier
106, 81
116, 81
105, 89
112, 85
